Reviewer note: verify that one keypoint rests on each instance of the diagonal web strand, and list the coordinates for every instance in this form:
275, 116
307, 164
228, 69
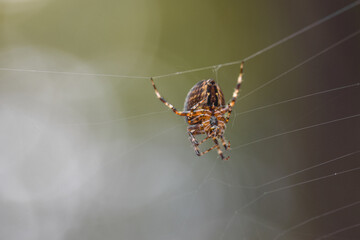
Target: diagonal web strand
296, 130
348, 7
293, 173
291, 36
300, 64
297, 98
314, 218
338, 231
264, 194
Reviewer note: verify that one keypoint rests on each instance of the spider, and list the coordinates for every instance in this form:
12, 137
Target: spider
206, 113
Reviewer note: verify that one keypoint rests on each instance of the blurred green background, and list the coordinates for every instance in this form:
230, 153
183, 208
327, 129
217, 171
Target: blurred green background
89, 156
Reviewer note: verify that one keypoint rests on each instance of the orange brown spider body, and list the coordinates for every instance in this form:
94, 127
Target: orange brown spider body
206, 112
206, 96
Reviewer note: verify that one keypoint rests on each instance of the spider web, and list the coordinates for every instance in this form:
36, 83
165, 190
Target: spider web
82, 159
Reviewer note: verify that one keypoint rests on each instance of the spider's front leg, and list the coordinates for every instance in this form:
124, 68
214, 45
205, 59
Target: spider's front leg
236, 93
180, 113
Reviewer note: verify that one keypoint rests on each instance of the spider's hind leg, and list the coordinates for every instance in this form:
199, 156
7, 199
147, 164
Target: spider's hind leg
192, 131
193, 139
223, 141
219, 150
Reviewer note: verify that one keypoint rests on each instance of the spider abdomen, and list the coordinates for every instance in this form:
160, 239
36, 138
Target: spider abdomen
206, 92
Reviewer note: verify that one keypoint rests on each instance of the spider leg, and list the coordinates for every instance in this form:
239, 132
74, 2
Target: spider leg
196, 116
236, 92
192, 131
180, 113
196, 113
207, 127
226, 145
193, 140
195, 119
198, 129
204, 152
219, 150
213, 147
202, 141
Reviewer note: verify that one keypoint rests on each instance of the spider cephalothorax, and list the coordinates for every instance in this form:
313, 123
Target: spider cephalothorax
206, 112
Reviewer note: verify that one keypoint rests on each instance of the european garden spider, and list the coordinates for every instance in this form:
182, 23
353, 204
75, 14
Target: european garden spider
206, 112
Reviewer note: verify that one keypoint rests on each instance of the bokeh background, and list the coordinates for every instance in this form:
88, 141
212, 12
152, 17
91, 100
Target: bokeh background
89, 156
